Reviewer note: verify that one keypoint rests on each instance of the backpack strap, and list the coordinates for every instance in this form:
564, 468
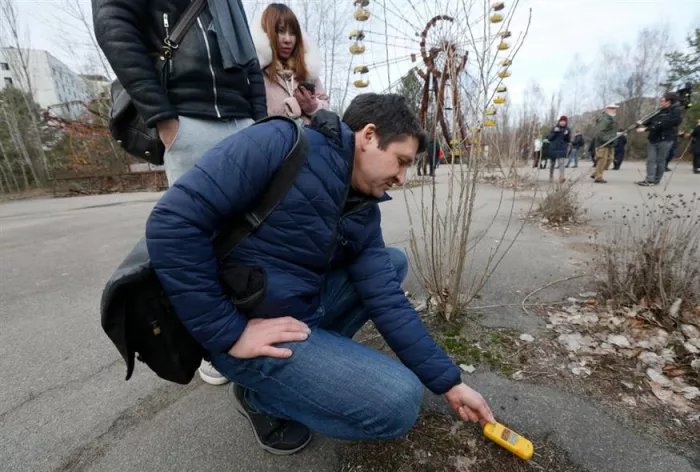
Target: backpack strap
184, 23
282, 180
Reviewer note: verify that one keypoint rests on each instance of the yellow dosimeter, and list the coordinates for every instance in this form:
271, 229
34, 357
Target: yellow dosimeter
510, 440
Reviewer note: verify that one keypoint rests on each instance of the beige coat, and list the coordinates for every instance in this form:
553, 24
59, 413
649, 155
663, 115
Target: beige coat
280, 92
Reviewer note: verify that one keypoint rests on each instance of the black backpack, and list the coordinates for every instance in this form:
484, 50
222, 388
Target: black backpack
136, 313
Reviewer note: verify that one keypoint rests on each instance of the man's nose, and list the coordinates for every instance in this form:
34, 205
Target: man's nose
401, 178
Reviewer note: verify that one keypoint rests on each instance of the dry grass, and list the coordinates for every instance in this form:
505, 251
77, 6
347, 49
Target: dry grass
561, 205
440, 443
653, 255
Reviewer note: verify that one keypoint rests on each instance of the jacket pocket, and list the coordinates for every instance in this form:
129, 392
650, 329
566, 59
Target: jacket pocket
245, 285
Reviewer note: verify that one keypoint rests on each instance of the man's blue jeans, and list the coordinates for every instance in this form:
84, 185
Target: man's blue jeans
573, 156
332, 384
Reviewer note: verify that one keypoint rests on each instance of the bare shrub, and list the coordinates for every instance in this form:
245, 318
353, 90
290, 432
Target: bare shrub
443, 238
561, 205
653, 254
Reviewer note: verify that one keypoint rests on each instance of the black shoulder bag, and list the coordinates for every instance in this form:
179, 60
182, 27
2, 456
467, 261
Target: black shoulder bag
136, 313
127, 127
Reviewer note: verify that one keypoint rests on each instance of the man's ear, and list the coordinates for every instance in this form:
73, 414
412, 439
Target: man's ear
368, 133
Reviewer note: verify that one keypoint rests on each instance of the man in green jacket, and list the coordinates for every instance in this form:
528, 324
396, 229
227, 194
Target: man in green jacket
604, 131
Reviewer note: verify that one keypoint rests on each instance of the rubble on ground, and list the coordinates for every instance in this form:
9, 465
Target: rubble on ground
658, 350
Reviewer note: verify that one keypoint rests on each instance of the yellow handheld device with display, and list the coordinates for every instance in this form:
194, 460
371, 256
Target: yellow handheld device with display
510, 440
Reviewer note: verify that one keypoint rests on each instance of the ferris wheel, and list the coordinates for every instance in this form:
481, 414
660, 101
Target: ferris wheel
442, 46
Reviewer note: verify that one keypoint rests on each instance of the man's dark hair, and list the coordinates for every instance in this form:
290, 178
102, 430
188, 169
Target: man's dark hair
671, 97
390, 114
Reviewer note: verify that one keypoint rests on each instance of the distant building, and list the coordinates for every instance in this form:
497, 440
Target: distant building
53, 83
97, 85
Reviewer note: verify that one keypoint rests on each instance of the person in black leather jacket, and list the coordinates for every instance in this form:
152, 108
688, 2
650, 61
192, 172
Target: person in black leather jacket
695, 146
663, 129
204, 102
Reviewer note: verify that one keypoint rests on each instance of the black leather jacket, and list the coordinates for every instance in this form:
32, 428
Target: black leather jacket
131, 33
664, 126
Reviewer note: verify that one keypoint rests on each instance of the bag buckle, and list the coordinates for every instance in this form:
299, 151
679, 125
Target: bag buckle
168, 48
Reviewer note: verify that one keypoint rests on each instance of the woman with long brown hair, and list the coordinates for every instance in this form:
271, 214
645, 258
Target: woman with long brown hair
291, 64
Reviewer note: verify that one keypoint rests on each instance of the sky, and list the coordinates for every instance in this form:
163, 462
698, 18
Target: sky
560, 30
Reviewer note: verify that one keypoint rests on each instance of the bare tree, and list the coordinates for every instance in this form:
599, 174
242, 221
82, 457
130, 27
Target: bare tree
17, 50
442, 236
575, 80
640, 69
73, 25
605, 75
10, 112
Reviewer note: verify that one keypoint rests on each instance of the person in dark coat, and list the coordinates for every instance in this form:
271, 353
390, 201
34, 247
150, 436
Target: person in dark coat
663, 131
620, 144
576, 146
215, 86
559, 138
428, 161
695, 147
322, 270
591, 151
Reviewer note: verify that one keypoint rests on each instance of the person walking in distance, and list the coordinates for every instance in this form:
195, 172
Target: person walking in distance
604, 132
663, 130
291, 65
620, 144
537, 152
215, 86
559, 138
576, 146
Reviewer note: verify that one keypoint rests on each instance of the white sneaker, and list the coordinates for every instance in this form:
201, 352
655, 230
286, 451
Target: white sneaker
210, 375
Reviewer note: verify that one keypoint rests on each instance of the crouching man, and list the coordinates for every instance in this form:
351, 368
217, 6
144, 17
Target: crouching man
326, 272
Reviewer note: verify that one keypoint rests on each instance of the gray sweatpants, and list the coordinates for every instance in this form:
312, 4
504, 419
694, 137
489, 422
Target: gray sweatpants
194, 138
656, 160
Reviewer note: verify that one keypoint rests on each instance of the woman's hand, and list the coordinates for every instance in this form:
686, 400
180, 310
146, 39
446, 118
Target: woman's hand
307, 101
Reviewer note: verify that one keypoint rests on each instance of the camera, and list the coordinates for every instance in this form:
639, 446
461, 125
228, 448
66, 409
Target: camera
685, 95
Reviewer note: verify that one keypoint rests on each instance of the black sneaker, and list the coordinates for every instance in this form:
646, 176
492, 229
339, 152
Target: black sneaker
645, 183
276, 436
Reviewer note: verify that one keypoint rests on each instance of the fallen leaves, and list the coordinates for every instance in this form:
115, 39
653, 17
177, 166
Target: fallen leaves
664, 348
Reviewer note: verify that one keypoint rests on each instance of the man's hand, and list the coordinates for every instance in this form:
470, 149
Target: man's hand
260, 335
469, 404
556, 129
307, 101
167, 130
641, 130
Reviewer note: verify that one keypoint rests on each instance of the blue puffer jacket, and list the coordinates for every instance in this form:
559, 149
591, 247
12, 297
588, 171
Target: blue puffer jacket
293, 246
559, 142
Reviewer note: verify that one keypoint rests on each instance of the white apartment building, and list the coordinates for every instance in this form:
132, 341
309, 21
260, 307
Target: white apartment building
52, 81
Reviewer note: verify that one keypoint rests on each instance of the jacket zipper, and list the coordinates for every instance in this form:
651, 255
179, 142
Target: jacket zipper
338, 224
211, 69
166, 24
